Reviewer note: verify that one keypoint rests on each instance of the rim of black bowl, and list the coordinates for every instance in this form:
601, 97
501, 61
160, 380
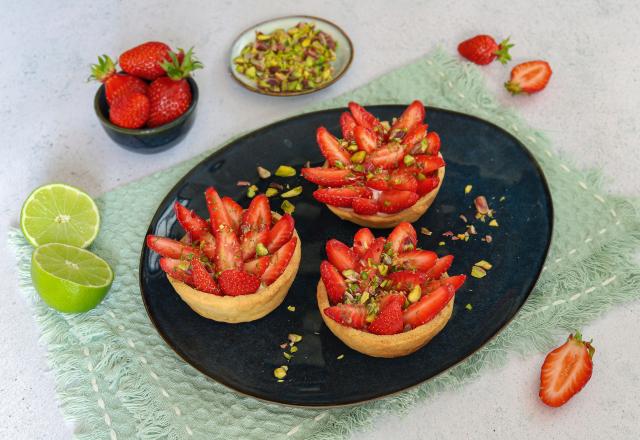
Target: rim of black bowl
152, 130
301, 92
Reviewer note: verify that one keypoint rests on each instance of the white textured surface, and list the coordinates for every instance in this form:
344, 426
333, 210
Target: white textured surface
50, 133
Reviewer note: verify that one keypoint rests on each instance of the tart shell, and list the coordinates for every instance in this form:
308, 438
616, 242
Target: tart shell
410, 214
384, 346
243, 308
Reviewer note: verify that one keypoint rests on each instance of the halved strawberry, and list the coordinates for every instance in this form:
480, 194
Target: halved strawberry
365, 138
389, 298
379, 181
426, 184
331, 148
280, 233
279, 261
191, 222
442, 265
566, 370
374, 251
228, 253
418, 259
351, 315
394, 200
403, 238
414, 136
406, 280
250, 241
340, 255
362, 241
202, 280
364, 118
217, 212
175, 268
342, 197
236, 282
389, 321
333, 282
428, 306
364, 206
428, 164
388, 156
413, 114
258, 266
258, 216
529, 77
455, 281
433, 143
234, 211
403, 179
328, 176
171, 248
347, 123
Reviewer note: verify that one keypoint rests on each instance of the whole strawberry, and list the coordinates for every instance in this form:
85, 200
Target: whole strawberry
130, 110
170, 96
145, 61
115, 84
483, 49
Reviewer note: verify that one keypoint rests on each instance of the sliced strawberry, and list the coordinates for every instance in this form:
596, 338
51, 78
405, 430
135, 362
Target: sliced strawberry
529, 77
394, 200
341, 255
442, 265
331, 148
342, 197
379, 181
333, 282
365, 138
390, 298
191, 222
280, 233
403, 179
234, 212
433, 143
329, 176
428, 307
258, 266
279, 261
388, 156
456, 282
414, 137
364, 206
566, 370
236, 282
402, 238
406, 280
417, 259
362, 241
364, 118
257, 217
351, 315
208, 246
389, 321
175, 268
374, 251
348, 124
171, 248
413, 114
428, 164
217, 212
250, 241
426, 184
202, 280
228, 253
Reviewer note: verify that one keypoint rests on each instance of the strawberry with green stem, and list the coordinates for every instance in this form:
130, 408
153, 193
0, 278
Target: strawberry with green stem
115, 84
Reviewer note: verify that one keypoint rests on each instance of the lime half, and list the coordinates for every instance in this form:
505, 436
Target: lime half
59, 213
68, 278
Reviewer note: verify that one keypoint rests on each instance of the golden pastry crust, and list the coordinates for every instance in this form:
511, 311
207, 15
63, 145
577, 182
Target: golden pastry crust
243, 308
385, 346
410, 214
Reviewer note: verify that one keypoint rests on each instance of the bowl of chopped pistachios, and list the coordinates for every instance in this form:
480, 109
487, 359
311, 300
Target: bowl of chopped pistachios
290, 56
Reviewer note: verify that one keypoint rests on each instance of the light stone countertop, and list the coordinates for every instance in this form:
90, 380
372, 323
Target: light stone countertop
590, 111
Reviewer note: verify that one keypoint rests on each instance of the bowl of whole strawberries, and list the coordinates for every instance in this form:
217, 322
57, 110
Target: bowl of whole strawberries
150, 104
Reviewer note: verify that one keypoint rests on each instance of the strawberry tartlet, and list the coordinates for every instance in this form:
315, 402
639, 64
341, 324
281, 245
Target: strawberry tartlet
238, 266
379, 174
385, 297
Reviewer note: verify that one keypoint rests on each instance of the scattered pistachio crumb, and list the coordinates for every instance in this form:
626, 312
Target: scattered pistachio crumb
251, 191
468, 188
484, 264
293, 349
292, 192
261, 250
243, 183
280, 372
288, 207
478, 272
493, 223
463, 218
409, 160
503, 198
283, 346
425, 231
263, 173
358, 157
270, 192
469, 307
488, 238
291, 308
293, 337
442, 243
340, 357
280, 380
287, 356
285, 171
415, 294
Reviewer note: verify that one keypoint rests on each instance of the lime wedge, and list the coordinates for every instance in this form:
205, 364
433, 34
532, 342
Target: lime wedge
59, 213
68, 278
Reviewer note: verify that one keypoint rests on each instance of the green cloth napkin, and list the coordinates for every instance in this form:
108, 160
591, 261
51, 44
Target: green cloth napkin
117, 379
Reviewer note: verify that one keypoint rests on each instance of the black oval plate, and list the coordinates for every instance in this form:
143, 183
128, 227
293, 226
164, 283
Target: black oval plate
243, 356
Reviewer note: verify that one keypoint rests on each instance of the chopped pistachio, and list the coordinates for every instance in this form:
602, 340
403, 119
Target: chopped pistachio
364, 297
352, 148
291, 308
293, 349
293, 192
425, 231
349, 273
371, 317
280, 372
468, 188
251, 191
287, 356
340, 357
285, 171
263, 173
358, 167
484, 264
243, 183
469, 307
358, 157
503, 198
293, 337
383, 269
478, 272
409, 160
415, 294
276, 185
288, 207
338, 164
261, 250
463, 218
493, 223
488, 238
270, 192
364, 275
384, 283
280, 380
442, 243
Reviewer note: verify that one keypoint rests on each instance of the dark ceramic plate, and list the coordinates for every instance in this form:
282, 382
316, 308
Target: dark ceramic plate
243, 356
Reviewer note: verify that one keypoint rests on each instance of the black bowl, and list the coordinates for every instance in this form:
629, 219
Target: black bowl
147, 140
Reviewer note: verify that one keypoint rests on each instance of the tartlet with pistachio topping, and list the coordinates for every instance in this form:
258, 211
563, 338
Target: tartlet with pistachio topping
385, 297
379, 174
237, 267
